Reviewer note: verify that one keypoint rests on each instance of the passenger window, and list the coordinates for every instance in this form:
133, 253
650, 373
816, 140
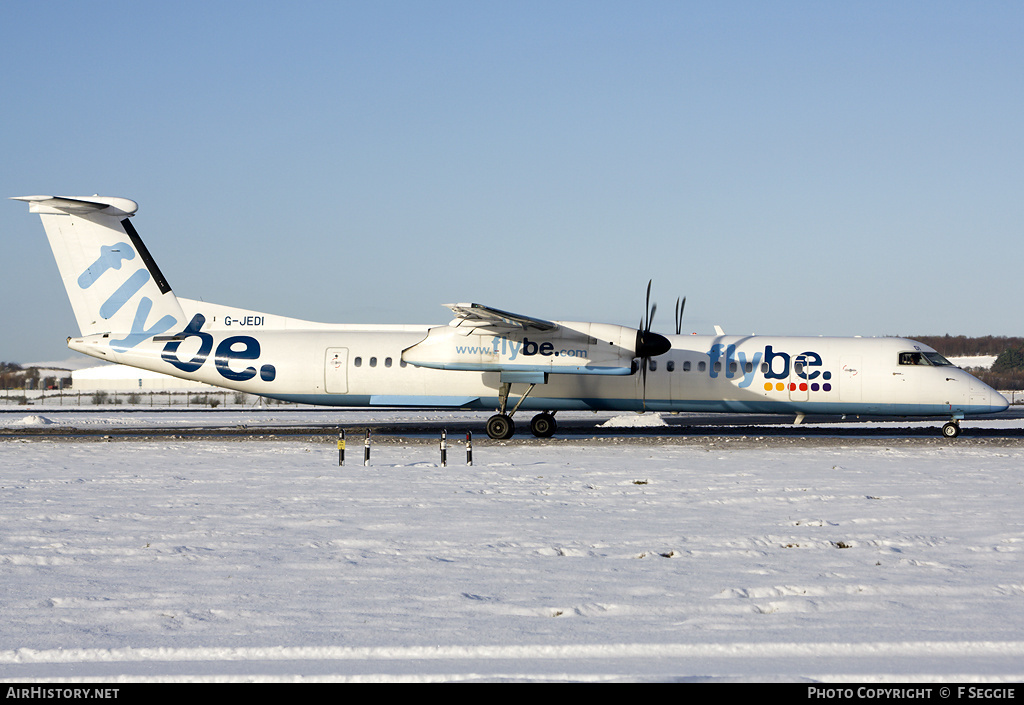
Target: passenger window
387, 362
653, 365
686, 366
749, 367
701, 366
358, 362
373, 362
670, 365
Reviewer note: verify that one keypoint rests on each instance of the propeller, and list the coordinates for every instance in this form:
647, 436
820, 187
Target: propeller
679, 315
649, 344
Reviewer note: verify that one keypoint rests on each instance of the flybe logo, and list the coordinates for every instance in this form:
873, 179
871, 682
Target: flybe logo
802, 372
230, 354
111, 257
512, 349
230, 350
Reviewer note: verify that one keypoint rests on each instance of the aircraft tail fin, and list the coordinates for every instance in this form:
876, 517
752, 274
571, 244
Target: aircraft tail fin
111, 279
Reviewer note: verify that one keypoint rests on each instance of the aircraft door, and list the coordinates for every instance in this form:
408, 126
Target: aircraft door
336, 371
850, 378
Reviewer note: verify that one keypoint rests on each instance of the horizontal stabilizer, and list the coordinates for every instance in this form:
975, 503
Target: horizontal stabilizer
121, 207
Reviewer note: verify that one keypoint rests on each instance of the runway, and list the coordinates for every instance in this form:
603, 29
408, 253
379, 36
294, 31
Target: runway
418, 426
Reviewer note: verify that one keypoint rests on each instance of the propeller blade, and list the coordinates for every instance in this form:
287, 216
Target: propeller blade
648, 344
644, 383
679, 315
647, 307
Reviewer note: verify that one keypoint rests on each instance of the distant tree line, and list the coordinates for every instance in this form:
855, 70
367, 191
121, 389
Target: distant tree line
1006, 373
962, 346
14, 376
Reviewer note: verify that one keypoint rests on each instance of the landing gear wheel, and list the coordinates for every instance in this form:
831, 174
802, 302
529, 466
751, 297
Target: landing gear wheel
543, 425
951, 429
500, 427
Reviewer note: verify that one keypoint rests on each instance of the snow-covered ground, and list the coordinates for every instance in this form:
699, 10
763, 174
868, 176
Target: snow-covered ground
263, 560
982, 361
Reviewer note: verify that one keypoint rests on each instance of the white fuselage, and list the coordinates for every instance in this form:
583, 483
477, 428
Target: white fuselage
363, 366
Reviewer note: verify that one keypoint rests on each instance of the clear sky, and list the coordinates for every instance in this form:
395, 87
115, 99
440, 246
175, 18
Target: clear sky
790, 167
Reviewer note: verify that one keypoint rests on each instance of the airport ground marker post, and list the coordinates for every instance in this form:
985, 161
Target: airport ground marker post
341, 447
469, 447
366, 449
444, 448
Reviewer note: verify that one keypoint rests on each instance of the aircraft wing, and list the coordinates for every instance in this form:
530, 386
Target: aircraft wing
480, 316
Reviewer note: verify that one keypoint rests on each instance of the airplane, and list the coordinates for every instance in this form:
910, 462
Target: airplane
484, 358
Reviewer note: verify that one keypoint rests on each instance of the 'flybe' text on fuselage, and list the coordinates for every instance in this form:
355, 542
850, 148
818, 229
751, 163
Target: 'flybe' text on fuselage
512, 349
773, 365
235, 347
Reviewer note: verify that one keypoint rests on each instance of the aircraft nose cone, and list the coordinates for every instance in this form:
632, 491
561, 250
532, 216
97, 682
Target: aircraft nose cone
651, 344
999, 402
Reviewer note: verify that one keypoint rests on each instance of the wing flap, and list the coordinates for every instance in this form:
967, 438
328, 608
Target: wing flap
480, 316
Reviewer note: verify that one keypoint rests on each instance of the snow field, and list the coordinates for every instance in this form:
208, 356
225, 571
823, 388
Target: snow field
265, 560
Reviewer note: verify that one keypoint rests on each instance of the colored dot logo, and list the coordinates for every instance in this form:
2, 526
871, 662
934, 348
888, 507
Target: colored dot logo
802, 386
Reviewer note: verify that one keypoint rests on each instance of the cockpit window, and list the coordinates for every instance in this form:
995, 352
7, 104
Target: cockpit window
937, 360
932, 359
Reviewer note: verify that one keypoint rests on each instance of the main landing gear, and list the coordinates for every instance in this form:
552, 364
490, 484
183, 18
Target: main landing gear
501, 427
951, 429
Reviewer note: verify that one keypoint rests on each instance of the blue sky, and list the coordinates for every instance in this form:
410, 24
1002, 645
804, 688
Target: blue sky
790, 167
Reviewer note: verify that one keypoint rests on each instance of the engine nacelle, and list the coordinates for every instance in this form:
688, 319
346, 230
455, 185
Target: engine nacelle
571, 348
